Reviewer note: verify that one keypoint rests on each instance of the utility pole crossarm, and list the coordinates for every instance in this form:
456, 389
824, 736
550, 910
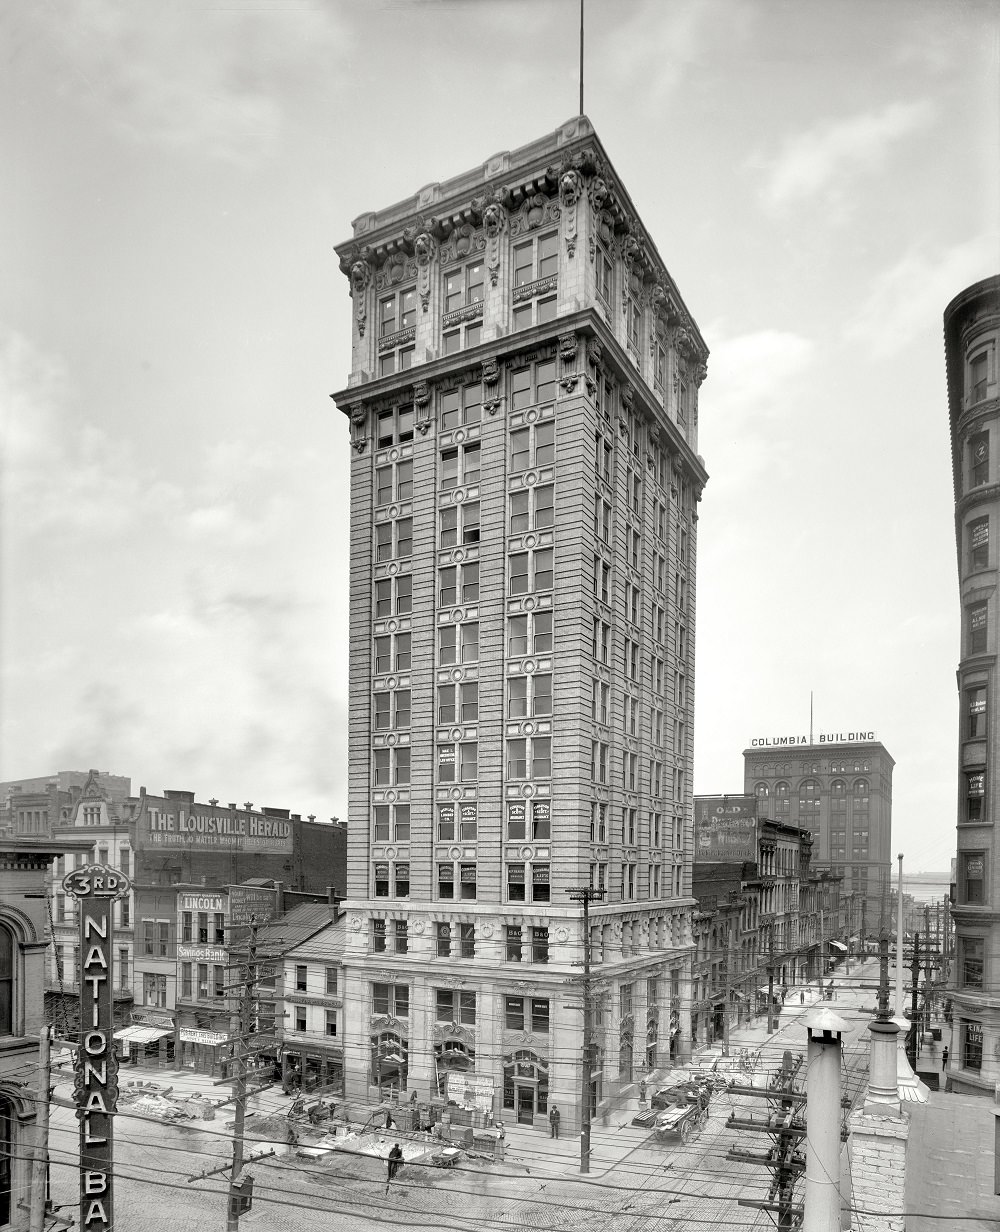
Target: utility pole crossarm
586, 895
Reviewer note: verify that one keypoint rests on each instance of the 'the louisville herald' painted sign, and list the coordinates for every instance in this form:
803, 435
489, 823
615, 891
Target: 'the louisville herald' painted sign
96, 887
725, 828
207, 828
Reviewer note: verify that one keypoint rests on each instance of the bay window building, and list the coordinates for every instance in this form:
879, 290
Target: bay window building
972, 340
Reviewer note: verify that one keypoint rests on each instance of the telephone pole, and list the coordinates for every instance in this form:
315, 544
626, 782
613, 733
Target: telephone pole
586, 895
771, 1024
912, 1034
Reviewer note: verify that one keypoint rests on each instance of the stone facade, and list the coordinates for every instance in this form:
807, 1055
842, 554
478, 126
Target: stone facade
972, 334
523, 407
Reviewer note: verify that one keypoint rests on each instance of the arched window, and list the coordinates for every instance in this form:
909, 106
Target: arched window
525, 1085
782, 803
390, 1061
7, 958
861, 793
761, 791
809, 803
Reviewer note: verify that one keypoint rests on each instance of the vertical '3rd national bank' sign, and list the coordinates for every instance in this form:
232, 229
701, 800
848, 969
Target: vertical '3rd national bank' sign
96, 887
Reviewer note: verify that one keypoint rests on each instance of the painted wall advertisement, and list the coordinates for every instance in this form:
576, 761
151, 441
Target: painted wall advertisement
213, 829
725, 828
258, 903
471, 1090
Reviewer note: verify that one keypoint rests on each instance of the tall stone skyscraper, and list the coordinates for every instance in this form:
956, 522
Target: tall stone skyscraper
971, 337
523, 403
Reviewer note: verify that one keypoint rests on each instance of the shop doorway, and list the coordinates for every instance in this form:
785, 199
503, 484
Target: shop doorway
525, 1105
526, 1087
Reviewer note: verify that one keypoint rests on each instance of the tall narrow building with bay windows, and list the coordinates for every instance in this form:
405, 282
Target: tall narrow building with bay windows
523, 406
972, 346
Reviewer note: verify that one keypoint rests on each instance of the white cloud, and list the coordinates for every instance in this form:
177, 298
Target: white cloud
194, 77
749, 373
822, 157
909, 298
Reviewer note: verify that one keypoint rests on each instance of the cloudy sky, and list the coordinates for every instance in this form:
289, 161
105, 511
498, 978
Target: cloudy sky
821, 178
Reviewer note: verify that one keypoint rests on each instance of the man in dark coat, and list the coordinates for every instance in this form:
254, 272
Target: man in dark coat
394, 1162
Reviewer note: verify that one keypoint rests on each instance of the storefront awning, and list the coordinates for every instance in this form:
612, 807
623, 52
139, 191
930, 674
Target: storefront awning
141, 1035
839, 944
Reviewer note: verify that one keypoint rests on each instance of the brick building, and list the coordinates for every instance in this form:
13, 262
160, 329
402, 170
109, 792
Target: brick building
523, 404
972, 334
839, 787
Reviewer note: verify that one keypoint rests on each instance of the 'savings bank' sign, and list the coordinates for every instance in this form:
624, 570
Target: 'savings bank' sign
95, 887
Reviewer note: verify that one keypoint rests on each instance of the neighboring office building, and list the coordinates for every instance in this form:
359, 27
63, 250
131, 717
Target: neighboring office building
189, 859
839, 787
523, 403
972, 335
170, 971
748, 878
39, 805
306, 1007
24, 868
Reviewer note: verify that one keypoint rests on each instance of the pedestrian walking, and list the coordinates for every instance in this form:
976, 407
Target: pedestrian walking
642, 1090
802, 998
388, 1119
394, 1163
944, 1057
554, 1122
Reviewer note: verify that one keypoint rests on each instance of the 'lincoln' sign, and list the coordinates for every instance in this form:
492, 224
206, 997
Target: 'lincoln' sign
95, 887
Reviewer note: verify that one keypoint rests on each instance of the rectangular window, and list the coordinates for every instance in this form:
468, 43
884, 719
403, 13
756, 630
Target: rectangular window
975, 796
979, 459
443, 934
186, 979
532, 509
978, 376
533, 446
203, 981
394, 427
464, 286
973, 954
187, 921
446, 881
513, 937
975, 702
514, 1013
300, 1018
458, 763
515, 883
459, 525
394, 482
203, 928
972, 1045
400, 936
458, 584
536, 258
529, 634
219, 983
163, 940
391, 1000
458, 644
540, 945
392, 653
978, 533
972, 873
467, 940
467, 881
460, 466
604, 270
378, 937
331, 1024
458, 703
461, 406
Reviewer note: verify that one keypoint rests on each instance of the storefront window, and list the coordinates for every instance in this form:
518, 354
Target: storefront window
972, 1045
525, 1086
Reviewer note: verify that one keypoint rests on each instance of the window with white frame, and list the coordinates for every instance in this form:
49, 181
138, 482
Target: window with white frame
460, 466
459, 524
461, 406
397, 327
394, 482
392, 653
458, 643
458, 584
394, 596
529, 757
536, 268
394, 540
391, 821
458, 702
529, 634
530, 571
394, 426
463, 306
457, 761
391, 709
528, 883
391, 767
532, 509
